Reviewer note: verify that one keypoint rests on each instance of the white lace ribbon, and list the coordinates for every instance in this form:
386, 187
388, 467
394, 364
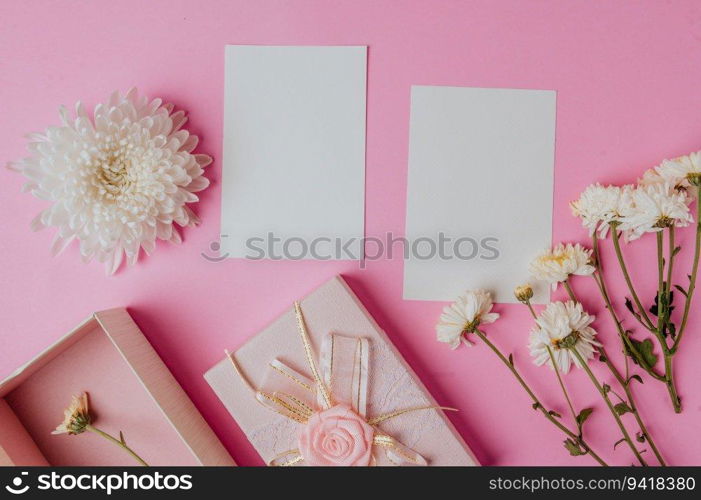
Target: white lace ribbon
340, 378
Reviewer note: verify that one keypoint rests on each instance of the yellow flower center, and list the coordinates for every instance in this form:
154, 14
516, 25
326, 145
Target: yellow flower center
664, 221
559, 258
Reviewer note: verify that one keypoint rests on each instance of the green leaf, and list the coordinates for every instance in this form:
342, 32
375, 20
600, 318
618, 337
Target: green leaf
555, 414
574, 448
636, 377
654, 308
618, 442
584, 415
644, 348
640, 437
629, 306
672, 328
683, 292
622, 409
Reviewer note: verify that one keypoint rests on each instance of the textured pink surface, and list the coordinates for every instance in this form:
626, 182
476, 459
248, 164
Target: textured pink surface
627, 79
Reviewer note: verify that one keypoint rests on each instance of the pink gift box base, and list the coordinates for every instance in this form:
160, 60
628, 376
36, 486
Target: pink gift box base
130, 390
392, 384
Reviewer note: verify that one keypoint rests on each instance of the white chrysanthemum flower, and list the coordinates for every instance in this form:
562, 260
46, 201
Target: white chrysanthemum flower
655, 207
682, 172
76, 417
654, 177
599, 205
117, 181
563, 326
470, 310
558, 263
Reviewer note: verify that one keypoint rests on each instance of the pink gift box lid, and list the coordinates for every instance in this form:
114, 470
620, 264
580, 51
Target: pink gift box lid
392, 384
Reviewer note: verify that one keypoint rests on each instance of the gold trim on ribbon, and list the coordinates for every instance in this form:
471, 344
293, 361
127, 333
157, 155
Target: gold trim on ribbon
387, 416
321, 387
292, 407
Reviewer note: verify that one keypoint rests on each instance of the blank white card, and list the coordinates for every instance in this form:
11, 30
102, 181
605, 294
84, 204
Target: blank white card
294, 152
480, 190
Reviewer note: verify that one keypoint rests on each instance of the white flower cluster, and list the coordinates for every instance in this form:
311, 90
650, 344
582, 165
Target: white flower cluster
562, 328
660, 199
563, 334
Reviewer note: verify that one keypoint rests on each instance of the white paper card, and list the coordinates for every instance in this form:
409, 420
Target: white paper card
294, 152
481, 173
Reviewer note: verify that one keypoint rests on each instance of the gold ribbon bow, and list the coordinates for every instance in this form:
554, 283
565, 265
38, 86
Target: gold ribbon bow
342, 377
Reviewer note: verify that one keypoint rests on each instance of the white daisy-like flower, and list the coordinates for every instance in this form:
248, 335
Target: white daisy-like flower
599, 205
470, 310
655, 207
560, 262
563, 326
117, 180
683, 171
673, 183
76, 417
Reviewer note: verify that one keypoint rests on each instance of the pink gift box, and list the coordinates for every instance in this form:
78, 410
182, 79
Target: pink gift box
391, 385
130, 390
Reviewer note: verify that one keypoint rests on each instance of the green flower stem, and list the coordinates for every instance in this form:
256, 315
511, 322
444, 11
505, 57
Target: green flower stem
530, 308
670, 266
628, 346
537, 404
624, 382
557, 373
116, 441
570, 292
604, 395
621, 331
694, 271
671, 387
643, 317
662, 324
564, 390
661, 311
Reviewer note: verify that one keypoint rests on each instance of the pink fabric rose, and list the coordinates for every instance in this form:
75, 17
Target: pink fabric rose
336, 437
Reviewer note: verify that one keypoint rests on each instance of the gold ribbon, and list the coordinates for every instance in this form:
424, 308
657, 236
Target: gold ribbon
341, 377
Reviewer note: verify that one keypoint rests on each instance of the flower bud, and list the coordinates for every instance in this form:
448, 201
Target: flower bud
524, 293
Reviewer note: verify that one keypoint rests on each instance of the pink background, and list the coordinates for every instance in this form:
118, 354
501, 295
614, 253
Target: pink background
628, 80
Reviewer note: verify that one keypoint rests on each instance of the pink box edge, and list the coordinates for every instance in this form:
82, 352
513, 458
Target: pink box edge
159, 383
